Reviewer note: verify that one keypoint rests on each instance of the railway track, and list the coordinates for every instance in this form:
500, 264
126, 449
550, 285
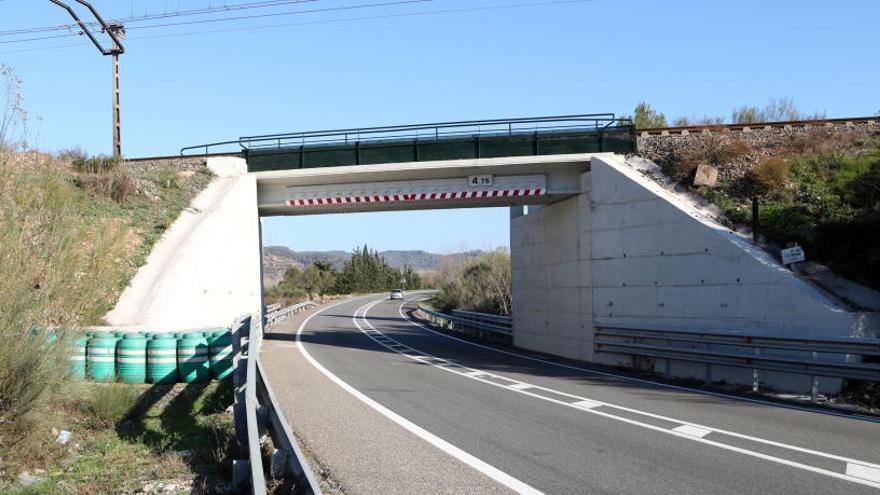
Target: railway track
757, 125
653, 131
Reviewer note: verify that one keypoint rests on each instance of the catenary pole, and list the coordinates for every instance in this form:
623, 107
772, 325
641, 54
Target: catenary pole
116, 31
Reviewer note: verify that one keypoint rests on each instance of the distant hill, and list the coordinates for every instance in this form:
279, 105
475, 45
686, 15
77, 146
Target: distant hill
277, 259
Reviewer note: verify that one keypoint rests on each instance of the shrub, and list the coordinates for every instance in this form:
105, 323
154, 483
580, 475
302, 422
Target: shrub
865, 188
167, 177
770, 174
104, 176
58, 269
110, 403
481, 283
714, 149
646, 117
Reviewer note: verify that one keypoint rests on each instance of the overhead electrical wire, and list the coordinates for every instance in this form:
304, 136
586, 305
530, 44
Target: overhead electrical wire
165, 15
327, 21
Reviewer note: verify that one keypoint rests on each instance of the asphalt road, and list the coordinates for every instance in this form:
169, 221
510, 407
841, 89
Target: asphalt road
532, 426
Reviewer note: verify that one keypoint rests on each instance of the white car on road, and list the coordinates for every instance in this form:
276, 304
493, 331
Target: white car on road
396, 294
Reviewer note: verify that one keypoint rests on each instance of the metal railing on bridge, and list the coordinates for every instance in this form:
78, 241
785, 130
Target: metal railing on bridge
257, 412
589, 133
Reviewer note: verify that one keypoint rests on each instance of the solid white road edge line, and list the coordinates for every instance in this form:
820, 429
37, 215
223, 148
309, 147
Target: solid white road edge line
667, 431
637, 411
472, 461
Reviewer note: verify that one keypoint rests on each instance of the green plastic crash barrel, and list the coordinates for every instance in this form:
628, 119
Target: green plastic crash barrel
131, 358
220, 349
78, 359
192, 359
101, 357
162, 358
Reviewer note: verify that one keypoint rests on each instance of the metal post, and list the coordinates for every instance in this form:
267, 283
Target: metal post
756, 382
814, 382
116, 32
117, 119
755, 219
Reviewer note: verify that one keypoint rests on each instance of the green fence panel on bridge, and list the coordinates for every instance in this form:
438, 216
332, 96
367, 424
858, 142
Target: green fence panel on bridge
355, 150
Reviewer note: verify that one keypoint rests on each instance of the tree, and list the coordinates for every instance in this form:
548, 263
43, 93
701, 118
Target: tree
776, 110
646, 117
481, 283
746, 115
366, 271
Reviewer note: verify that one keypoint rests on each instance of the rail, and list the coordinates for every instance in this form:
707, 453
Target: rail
469, 322
755, 125
813, 357
257, 412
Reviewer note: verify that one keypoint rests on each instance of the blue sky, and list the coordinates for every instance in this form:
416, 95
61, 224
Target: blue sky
683, 57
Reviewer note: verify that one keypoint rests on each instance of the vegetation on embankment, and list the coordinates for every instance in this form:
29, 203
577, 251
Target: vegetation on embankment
73, 231
128, 439
817, 187
481, 283
364, 272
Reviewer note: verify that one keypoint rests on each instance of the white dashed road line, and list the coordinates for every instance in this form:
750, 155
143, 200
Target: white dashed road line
472, 461
864, 476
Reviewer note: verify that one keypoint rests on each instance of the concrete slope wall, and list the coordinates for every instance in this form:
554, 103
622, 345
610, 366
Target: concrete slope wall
627, 252
206, 269
659, 262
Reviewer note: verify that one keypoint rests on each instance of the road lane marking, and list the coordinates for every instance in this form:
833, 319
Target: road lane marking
520, 386
470, 374
586, 404
870, 419
483, 467
645, 413
693, 430
864, 472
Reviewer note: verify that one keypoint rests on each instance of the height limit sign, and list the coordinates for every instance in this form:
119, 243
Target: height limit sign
480, 181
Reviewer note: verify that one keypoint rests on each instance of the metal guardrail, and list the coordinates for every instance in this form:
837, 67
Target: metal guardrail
257, 412
432, 131
469, 321
814, 357
281, 313
500, 320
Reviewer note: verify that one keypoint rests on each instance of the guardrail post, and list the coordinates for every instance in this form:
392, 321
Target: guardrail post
756, 382
239, 378
814, 381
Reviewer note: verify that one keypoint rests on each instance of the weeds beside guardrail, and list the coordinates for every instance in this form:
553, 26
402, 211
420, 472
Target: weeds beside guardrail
258, 414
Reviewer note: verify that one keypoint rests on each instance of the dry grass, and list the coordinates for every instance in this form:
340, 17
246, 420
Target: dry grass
59, 268
821, 141
103, 176
714, 149
771, 174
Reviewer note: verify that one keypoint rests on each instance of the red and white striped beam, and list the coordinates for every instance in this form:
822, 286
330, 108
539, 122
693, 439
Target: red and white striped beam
418, 190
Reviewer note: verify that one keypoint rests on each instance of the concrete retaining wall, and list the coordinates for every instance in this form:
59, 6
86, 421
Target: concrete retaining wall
206, 269
627, 252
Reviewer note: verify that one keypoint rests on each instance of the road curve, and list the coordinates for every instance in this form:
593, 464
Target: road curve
533, 427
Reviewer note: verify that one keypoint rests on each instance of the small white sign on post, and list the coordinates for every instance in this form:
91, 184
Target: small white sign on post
480, 181
793, 255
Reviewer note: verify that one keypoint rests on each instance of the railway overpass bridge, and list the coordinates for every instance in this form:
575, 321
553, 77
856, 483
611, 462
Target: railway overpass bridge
596, 244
